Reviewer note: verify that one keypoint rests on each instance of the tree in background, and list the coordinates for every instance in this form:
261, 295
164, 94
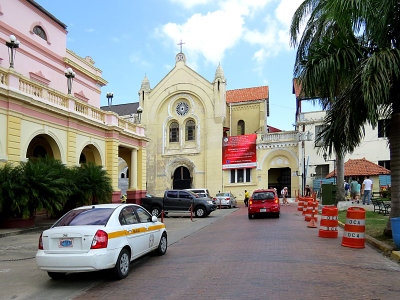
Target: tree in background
327, 56
374, 90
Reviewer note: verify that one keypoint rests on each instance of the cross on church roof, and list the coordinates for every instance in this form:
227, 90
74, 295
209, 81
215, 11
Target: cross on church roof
180, 44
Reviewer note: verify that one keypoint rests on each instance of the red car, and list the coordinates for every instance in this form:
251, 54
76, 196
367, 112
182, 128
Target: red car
264, 202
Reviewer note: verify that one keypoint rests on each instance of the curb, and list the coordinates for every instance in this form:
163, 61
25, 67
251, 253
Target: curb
385, 248
25, 230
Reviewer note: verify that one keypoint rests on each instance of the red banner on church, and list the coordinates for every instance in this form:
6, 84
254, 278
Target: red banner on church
239, 152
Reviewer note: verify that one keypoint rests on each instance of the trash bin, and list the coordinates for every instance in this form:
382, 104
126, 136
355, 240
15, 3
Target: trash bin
396, 231
328, 194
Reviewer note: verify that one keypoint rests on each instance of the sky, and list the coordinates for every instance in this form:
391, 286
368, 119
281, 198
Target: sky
128, 39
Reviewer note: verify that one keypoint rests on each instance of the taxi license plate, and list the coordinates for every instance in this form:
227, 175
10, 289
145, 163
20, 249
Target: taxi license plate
66, 243
263, 210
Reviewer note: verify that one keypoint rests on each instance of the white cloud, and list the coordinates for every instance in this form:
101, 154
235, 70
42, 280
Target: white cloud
210, 35
285, 10
89, 30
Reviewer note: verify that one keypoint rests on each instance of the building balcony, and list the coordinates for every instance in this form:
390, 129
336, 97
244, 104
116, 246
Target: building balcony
74, 107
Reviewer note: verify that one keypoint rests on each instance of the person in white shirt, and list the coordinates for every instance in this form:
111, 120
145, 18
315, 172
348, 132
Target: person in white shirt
367, 189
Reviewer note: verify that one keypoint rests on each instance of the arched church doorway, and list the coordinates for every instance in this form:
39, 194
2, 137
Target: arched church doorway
279, 178
181, 179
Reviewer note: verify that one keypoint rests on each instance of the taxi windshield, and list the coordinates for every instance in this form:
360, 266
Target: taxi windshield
90, 216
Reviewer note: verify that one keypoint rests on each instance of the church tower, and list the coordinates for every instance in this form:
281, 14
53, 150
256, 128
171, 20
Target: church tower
144, 97
220, 94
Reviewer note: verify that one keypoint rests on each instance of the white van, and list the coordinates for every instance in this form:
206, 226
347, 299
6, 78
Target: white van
203, 193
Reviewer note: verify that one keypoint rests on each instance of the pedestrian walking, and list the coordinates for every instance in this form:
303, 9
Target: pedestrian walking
346, 188
246, 198
307, 191
367, 190
284, 193
353, 189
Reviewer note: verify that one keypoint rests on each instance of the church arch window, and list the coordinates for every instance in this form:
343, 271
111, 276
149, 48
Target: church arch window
38, 30
241, 128
190, 130
174, 132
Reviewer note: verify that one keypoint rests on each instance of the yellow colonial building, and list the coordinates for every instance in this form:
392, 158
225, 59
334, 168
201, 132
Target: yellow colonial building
50, 101
189, 118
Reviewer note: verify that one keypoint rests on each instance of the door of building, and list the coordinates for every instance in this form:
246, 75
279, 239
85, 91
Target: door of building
181, 179
279, 178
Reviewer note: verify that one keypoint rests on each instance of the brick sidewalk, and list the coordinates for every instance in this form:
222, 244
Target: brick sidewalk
237, 258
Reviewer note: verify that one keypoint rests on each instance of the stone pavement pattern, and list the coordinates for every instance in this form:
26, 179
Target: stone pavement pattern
237, 258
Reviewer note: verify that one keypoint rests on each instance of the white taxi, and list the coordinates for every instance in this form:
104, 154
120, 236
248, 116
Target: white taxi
97, 237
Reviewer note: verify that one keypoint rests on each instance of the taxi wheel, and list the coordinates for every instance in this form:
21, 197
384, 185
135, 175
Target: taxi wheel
121, 269
200, 212
251, 216
162, 247
56, 275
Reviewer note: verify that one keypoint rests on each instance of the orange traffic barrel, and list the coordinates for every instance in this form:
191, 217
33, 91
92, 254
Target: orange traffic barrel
305, 203
354, 229
300, 204
312, 210
328, 226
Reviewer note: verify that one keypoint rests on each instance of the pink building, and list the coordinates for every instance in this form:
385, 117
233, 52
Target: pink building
37, 112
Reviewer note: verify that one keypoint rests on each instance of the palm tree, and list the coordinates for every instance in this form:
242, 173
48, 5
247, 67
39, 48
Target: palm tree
327, 56
13, 196
375, 87
45, 183
93, 184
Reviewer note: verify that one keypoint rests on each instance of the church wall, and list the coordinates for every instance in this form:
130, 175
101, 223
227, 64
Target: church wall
202, 157
250, 114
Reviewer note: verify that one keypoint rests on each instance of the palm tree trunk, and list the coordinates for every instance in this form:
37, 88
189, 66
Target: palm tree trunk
339, 178
394, 139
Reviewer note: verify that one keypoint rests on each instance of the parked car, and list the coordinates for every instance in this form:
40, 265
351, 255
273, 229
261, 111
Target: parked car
203, 193
179, 201
264, 202
225, 200
97, 237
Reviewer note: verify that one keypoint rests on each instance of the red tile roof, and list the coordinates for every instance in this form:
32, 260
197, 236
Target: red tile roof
273, 129
361, 167
296, 88
249, 94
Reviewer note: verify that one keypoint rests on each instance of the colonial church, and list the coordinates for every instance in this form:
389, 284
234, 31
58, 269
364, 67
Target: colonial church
202, 136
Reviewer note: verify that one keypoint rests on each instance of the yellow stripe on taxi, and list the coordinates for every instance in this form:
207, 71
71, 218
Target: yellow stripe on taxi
120, 233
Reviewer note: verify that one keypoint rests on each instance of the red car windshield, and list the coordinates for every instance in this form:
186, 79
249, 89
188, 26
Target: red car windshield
263, 195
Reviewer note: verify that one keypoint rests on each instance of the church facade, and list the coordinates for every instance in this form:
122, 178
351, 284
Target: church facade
188, 119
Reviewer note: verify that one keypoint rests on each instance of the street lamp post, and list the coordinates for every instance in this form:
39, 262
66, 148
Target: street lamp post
12, 45
109, 98
325, 156
139, 113
70, 74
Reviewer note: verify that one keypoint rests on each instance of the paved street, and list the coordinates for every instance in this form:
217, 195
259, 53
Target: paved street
21, 279
224, 256
237, 258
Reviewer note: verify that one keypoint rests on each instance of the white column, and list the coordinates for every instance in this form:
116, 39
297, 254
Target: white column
133, 170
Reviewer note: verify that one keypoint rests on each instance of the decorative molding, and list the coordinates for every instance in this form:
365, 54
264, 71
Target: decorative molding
74, 65
81, 96
276, 145
245, 107
34, 24
39, 77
